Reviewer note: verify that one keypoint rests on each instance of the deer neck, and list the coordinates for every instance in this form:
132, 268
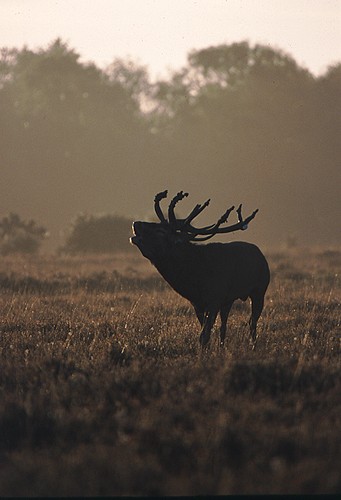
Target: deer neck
176, 267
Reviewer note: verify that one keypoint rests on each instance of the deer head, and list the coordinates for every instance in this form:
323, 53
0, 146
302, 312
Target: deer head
155, 238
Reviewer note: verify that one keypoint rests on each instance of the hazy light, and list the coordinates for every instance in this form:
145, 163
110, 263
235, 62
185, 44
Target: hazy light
160, 33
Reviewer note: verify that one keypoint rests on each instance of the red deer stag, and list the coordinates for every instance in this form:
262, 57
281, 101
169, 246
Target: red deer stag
210, 276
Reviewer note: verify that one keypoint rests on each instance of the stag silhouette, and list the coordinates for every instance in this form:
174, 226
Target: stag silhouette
210, 276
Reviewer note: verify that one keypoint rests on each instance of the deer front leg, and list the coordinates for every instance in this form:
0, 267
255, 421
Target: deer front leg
209, 319
200, 314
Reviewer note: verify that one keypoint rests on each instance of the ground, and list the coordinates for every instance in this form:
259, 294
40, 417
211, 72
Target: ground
104, 389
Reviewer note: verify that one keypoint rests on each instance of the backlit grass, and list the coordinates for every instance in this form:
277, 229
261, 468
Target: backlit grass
105, 391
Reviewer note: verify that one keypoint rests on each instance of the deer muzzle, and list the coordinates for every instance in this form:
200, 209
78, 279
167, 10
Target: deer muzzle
136, 228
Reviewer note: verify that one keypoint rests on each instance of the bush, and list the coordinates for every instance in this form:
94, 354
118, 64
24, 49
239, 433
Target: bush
98, 234
18, 236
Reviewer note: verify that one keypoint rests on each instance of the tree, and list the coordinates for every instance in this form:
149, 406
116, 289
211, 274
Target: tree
18, 236
98, 234
71, 136
246, 121
135, 79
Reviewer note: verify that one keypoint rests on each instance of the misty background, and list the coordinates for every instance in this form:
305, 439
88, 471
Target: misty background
239, 123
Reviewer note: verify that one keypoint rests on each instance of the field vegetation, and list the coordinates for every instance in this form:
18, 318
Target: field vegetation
105, 391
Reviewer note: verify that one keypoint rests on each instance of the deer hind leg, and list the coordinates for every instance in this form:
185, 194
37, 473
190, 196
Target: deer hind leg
257, 300
224, 314
209, 319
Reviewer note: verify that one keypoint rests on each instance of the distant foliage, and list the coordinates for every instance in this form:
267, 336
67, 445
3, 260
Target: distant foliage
238, 121
98, 234
18, 236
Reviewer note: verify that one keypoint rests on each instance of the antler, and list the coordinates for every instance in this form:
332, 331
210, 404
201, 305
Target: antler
210, 231
171, 215
157, 199
203, 233
196, 211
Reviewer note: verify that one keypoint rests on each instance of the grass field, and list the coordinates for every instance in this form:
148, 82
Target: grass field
104, 390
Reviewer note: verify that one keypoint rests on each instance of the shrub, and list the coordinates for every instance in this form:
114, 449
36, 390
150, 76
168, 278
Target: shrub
98, 234
18, 236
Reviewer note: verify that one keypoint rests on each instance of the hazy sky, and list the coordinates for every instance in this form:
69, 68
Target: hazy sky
160, 33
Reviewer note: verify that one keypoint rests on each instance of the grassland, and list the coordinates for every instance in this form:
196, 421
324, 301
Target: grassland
104, 390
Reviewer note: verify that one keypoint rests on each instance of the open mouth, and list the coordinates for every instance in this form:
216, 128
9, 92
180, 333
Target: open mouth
135, 238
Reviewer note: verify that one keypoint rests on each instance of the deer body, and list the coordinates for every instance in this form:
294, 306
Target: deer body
210, 276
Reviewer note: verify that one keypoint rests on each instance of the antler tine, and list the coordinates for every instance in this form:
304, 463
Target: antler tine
213, 227
239, 212
225, 216
171, 215
157, 199
241, 225
196, 211
244, 223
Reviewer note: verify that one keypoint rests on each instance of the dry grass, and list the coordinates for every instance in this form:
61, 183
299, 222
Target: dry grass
104, 390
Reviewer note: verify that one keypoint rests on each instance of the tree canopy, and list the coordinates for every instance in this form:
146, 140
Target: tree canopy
238, 123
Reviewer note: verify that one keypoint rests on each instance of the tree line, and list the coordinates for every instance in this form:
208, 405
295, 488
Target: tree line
86, 234
239, 123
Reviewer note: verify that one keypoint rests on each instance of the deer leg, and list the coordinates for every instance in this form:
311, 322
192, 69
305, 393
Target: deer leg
209, 320
257, 299
224, 314
200, 315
